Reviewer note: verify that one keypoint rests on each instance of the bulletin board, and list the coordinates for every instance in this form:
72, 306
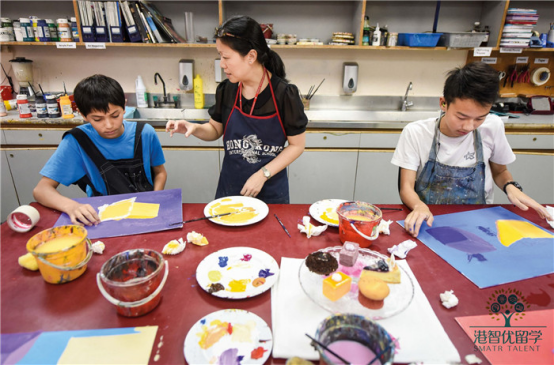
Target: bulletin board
505, 60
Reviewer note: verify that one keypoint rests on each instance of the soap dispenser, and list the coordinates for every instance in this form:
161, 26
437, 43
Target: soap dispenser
350, 77
186, 72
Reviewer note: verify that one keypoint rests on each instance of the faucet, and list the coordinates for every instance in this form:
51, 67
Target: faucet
156, 75
405, 103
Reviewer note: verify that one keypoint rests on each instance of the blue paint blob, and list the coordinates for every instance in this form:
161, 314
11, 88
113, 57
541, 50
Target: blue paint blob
223, 261
265, 273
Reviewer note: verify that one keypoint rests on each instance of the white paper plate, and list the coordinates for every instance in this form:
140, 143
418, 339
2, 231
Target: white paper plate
259, 206
250, 341
321, 209
237, 268
401, 294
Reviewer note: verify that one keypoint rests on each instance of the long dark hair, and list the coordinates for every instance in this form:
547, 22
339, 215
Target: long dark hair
243, 34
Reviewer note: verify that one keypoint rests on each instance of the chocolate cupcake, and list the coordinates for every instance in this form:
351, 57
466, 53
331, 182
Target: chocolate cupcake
321, 263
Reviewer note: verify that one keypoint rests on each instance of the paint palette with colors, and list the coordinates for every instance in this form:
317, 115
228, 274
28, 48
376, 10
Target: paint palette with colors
229, 337
400, 296
325, 211
245, 210
237, 273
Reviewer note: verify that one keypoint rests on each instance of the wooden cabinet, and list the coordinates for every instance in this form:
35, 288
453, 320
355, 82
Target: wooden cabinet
311, 19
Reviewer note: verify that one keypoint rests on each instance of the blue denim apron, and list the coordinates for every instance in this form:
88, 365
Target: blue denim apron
440, 184
250, 143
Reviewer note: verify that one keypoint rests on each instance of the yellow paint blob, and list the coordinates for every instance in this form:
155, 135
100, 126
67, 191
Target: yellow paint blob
360, 218
58, 244
330, 215
510, 231
238, 285
144, 210
243, 214
211, 334
214, 276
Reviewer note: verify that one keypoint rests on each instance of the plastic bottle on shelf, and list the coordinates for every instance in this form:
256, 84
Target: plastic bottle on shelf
65, 106
6, 30
43, 31
140, 89
34, 26
17, 30
26, 30
485, 42
64, 30
476, 27
198, 92
40, 105
52, 106
23, 106
365, 38
376, 36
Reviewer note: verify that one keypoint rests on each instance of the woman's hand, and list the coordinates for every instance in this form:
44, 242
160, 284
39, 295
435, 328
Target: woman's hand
82, 214
254, 184
185, 127
523, 202
413, 221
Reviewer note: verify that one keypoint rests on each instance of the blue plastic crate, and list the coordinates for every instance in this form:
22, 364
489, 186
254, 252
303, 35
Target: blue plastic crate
418, 39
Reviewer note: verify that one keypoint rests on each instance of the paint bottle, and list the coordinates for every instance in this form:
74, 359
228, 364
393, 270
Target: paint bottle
26, 30
17, 31
6, 30
3, 111
23, 106
198, 92
10, 104
64, 31
140, 90
65, 106
34, 25
43, 30
376, 36
42, 110
52, 106
53, 30
74, 29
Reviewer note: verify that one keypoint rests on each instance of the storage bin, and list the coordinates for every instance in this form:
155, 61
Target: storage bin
462, 39
418, 39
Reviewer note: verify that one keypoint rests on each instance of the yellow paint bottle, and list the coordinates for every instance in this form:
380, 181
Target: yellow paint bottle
65, 106
198, 92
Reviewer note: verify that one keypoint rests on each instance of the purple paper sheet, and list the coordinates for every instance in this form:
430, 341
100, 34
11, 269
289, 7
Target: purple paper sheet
170, 212
15, 346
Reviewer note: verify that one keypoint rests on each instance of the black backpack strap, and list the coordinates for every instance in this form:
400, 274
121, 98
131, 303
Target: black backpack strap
138, 141
88, 146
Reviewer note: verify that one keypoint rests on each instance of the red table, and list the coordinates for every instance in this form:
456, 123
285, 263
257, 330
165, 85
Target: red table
29, 304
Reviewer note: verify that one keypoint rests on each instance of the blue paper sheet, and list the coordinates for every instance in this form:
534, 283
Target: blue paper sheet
468, 241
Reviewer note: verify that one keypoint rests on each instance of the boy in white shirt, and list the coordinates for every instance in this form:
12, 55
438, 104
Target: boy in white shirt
456, 159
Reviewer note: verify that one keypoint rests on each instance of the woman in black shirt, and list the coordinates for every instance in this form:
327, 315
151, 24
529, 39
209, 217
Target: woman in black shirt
256, 111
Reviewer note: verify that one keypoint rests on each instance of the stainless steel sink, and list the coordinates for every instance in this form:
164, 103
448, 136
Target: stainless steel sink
157, 114
369, 116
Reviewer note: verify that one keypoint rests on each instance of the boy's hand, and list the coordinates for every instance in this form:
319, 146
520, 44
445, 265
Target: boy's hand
82, 214
413, 221
523, 202
180, 126
254, 184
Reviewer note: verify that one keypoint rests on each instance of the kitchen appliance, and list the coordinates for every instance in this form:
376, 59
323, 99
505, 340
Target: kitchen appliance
186, 72
350, 77
23, 71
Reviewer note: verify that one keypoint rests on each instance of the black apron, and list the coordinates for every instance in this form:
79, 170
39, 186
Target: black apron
120, 176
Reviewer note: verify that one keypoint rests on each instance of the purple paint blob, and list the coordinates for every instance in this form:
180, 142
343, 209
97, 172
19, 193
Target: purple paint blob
265, 273
461, 240
223, 261
229, 357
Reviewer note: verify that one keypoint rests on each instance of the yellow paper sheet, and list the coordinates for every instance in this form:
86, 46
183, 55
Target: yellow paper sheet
123, 349
117, 210
510, 231
144, 211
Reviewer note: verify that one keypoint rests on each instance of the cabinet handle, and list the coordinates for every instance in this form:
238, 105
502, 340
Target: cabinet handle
325, 137
40, 135
11, 155
534, 139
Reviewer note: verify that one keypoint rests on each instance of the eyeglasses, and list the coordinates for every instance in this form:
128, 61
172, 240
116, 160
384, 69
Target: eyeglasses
220, 32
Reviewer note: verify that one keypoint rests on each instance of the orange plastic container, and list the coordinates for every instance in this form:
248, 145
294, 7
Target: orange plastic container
358, 222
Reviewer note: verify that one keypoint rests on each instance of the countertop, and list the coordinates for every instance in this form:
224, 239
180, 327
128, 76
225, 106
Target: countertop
318, 119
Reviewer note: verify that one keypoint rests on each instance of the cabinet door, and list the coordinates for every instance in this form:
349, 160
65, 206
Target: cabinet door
318, 175
376, 178
196, 172
26, 165
535, 173
9, 196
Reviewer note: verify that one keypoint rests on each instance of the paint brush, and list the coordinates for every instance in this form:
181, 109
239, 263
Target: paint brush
64, 90
283, 226
327, 349
390, 209
316, 89
202, 218
42, 91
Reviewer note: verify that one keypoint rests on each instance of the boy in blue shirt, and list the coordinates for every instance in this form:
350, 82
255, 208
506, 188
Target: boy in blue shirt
457, 158
105, 156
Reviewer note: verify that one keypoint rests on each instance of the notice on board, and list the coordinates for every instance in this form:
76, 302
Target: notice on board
510, 50
66, 45
541, 60
482, 51
95, 45
489, 60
